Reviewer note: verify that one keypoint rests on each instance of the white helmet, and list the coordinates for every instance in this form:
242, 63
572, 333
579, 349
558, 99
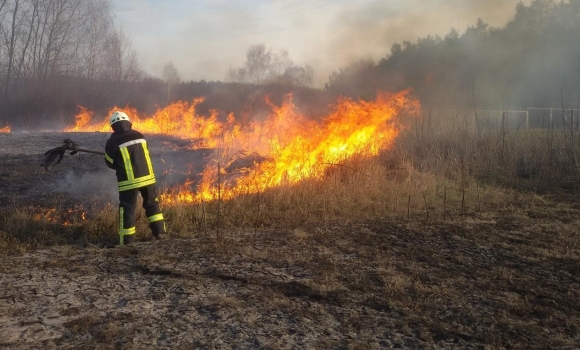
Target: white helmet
117, 116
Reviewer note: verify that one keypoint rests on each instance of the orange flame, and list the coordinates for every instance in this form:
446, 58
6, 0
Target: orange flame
291, 146
64, 218
49, 216
178, 119
5, 130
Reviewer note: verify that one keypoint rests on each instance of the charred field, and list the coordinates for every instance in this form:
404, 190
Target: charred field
423, 263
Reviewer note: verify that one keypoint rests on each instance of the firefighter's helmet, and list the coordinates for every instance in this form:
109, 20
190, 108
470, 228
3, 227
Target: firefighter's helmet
117, 116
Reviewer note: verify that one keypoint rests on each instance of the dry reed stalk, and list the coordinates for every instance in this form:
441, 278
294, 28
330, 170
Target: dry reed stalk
444, 201
257, 212
426, 208
218, 236
204, 217
409, 209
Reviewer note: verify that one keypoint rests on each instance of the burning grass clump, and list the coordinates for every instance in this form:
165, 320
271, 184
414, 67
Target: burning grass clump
24, 227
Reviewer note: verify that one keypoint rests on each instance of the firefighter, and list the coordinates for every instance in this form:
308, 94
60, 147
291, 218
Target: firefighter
127, 153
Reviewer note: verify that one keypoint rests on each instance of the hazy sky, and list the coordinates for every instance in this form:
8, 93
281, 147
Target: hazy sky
203, 38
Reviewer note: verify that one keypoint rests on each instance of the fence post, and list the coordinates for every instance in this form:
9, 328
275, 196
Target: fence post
572, 123
527, 118
504, 117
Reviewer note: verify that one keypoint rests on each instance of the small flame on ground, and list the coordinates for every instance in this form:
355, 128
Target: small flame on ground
49, 216
5, 130
64, 218
292, 146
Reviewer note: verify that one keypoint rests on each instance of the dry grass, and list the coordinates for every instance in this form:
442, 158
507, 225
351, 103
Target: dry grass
431, 177
358, 189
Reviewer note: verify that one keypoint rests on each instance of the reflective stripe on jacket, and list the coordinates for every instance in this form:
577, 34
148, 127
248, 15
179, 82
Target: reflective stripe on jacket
126, 152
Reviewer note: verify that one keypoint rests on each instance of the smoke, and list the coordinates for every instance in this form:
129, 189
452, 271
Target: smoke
368, 31
205, 39
174, 164
89, 187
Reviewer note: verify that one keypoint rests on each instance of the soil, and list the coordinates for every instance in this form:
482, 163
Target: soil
503, 280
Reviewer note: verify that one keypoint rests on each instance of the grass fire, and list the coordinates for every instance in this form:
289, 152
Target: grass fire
291, 146
422, 197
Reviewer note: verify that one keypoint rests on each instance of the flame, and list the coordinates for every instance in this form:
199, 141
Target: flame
290, 146
83, 120
178, 119
49, 216
64, 218
5, 130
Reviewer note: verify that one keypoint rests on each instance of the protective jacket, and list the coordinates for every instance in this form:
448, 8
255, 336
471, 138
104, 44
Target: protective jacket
126, 152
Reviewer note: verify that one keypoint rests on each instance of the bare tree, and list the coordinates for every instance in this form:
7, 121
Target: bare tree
239, 75
33, 6
171, 77
98, 26
3, 35
298, 76
263, 66
120, 60
40, 39
12, 43
280, 63
258, 62
52, 50
59, 23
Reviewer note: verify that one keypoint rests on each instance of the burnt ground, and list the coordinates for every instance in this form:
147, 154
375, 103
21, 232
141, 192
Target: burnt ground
503, 280
82, 178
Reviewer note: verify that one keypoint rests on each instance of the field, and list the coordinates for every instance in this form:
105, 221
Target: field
382, 253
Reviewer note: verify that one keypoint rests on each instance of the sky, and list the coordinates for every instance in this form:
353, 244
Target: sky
204, 38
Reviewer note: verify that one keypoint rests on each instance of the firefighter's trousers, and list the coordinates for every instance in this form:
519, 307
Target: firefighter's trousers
127, 206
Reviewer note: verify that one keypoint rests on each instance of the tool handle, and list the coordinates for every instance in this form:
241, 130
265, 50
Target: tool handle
89, 151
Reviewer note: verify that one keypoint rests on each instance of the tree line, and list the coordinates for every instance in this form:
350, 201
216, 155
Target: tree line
533, 61
51, 49
58, 54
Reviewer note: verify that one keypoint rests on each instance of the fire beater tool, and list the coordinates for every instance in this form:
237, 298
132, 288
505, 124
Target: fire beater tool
56, 154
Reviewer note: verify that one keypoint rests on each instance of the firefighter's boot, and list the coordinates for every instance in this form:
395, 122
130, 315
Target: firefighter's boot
158, 228
128, 239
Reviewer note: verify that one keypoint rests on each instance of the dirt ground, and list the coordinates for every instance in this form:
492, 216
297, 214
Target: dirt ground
502, 280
